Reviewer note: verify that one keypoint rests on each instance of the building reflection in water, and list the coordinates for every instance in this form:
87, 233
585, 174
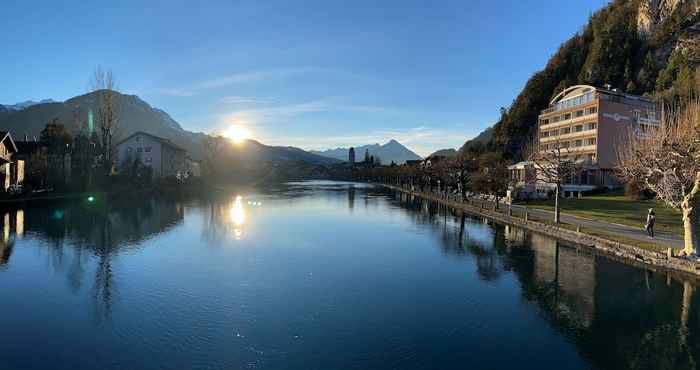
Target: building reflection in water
351, 197
12, 228
617, 315
75, 235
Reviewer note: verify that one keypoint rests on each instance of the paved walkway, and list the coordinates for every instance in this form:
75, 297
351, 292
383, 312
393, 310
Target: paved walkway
629, 232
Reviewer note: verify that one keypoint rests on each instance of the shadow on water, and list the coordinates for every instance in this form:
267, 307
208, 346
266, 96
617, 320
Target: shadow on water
619, 316
74, 233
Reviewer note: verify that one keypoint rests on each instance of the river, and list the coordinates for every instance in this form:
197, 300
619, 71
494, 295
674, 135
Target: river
321, 275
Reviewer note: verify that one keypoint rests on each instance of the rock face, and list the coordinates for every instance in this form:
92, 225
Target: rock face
652, 13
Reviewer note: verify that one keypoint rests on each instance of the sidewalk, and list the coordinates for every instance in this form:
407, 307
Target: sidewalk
629, 232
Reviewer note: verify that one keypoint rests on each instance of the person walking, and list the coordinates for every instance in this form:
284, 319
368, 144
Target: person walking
651, 220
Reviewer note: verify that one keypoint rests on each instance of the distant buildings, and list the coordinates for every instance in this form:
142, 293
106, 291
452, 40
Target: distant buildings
587, 124
351, 155
161, 155
11, 168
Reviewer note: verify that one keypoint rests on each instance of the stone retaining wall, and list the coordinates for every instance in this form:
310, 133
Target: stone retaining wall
606, 246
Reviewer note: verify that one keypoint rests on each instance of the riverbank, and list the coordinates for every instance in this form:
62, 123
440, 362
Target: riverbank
113, 191
617, 249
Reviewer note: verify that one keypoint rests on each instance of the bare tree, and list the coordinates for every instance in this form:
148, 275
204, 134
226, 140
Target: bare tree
666, 160
553, 162
103, 84
492, 178
462, 168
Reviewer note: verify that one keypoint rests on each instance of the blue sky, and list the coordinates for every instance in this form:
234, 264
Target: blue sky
313, 74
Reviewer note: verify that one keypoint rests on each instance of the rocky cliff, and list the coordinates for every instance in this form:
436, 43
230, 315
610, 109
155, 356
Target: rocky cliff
644, 47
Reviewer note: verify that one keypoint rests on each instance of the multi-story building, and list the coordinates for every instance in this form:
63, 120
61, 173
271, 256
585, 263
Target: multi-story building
587, 125
164, 157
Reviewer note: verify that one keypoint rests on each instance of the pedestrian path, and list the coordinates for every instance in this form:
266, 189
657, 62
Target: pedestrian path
629, 232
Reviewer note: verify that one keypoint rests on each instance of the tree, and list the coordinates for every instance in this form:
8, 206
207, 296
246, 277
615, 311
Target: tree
666, 160
103, 84
57, 140
554, 163
492, 177
462, 167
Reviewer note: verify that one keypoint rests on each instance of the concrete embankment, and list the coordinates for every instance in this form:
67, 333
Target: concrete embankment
616, 249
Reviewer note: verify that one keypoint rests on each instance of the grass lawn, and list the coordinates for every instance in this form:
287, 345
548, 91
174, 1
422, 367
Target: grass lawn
617, 209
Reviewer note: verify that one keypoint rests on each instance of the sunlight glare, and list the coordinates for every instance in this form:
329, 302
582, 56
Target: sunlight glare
237, 133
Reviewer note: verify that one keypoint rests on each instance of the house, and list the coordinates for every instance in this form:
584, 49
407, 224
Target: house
587, 125
433, 160
164, 157
11, 168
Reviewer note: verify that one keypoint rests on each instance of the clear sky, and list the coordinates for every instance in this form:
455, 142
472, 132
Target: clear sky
313, 74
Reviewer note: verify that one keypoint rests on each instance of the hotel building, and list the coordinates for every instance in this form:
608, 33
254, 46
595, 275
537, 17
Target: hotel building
588, 124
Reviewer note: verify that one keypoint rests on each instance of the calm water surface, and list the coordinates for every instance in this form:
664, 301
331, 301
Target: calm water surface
321, 275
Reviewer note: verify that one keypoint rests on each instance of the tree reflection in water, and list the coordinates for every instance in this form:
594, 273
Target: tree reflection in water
619, 316
79, 234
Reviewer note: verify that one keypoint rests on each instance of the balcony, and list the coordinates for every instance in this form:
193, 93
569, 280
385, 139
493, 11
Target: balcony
586, 134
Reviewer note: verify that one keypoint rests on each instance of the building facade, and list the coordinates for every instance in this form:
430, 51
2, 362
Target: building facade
164, 157
587, 125
11, 168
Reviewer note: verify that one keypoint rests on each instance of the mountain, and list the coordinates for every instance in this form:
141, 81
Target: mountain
392, 151
133, 114
444, 153
644, 47
26, 104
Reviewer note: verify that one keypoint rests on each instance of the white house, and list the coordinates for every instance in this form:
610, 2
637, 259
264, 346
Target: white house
163, 156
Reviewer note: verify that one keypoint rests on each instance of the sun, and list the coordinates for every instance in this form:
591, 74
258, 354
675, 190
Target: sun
237, 133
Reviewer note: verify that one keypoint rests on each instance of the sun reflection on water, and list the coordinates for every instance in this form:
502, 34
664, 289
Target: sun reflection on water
238, 217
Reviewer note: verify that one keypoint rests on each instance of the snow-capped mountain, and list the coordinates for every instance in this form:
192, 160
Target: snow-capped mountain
27, 104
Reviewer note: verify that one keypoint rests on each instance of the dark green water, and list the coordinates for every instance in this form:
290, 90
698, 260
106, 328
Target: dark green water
321, 276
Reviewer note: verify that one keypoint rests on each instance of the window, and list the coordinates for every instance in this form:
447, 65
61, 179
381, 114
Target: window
147, 149
592, 110
578, 128
566, 116
139, 150
591, 125
138, 138
579, 142
565, 144
565, 130
590, 141
579, 113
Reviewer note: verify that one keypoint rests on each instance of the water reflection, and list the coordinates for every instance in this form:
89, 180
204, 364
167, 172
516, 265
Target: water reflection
619, 316
176, 294
78, 237
238, 217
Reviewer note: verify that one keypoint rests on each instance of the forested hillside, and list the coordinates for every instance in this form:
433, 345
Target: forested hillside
646, 47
